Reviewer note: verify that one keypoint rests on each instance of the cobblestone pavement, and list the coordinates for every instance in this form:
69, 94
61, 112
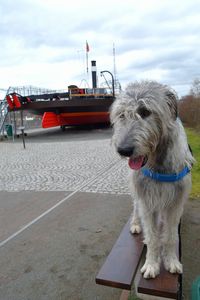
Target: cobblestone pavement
89, 166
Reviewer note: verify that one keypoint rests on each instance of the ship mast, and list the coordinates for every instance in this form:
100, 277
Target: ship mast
117, 85
114, 64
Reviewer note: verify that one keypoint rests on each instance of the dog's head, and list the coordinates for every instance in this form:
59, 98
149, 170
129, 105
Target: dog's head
141, 118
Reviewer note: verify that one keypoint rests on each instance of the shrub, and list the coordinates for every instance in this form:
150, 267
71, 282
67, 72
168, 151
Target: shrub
189, 111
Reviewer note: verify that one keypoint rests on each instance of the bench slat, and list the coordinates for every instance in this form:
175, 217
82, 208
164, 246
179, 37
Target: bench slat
121, 264
165, 285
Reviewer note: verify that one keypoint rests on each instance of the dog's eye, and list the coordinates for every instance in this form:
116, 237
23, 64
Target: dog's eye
122, 116
143, 112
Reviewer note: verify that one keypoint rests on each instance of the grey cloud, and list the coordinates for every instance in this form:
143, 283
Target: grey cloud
178, 75
166, 31
36, 27
165, 59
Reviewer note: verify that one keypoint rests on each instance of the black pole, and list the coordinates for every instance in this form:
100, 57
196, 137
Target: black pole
22, 128
23, 138
94, 74
15, 129
22, 118
113, 85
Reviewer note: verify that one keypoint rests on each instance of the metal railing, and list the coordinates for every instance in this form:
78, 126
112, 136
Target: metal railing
3, 112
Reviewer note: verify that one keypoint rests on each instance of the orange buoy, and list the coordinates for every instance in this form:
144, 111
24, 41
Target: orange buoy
10, 101
16, 101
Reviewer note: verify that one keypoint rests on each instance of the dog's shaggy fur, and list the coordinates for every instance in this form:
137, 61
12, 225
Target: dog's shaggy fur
146, 128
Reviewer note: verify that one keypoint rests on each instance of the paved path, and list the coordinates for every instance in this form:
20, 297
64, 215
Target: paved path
63, 202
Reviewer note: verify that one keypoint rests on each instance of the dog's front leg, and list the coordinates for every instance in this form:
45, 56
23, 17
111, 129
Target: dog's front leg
151, 268
169, 240
135, 224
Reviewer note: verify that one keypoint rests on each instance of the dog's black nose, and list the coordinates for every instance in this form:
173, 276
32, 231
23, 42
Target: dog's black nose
125, 151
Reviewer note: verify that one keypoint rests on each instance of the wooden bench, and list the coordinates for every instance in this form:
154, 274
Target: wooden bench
122, 268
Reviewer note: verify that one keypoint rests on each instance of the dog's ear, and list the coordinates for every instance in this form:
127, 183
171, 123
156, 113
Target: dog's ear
114, 111
172, 103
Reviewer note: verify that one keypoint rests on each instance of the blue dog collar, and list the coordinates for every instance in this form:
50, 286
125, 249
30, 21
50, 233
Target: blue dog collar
165, 177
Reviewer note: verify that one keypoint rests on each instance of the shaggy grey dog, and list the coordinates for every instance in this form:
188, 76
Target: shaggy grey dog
148, 132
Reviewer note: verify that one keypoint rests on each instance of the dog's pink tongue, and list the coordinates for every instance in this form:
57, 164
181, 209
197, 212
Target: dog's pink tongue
136, 163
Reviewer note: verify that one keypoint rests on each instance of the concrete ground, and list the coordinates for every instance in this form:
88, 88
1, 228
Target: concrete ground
190, 233
63, 202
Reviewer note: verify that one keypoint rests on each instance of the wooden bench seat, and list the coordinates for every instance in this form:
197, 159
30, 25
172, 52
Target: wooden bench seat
122, 268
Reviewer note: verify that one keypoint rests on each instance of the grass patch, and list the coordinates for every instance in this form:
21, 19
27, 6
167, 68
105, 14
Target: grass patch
194, 141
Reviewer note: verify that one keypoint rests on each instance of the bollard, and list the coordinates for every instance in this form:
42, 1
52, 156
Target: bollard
23, 137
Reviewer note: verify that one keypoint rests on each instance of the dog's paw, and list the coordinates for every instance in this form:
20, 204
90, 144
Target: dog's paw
135, 228
150, 270
173, 265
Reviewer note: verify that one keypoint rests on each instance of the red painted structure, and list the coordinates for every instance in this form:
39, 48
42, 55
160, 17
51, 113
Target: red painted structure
50, 119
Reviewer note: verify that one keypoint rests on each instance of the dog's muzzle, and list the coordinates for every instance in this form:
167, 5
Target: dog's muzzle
135, 162
127, 152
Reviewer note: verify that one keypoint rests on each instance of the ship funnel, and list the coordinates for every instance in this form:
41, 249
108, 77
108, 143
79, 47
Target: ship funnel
94, 74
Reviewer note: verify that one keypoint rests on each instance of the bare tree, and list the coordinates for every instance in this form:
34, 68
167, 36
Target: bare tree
195, 88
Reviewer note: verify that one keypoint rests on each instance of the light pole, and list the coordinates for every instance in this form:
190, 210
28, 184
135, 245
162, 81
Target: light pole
113, 85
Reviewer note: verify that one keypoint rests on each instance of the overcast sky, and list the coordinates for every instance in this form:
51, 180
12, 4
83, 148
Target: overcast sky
42, 42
